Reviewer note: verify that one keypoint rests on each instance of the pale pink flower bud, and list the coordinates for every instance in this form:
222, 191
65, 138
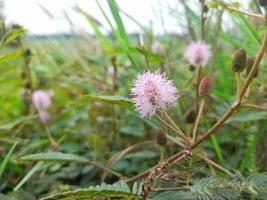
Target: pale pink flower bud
110, 71
152, 92
41, 99
44, 116
198, 54
100, 119
157, 48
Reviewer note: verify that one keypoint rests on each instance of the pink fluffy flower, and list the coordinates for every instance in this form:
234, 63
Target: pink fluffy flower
42, 99
152, 92
198, 54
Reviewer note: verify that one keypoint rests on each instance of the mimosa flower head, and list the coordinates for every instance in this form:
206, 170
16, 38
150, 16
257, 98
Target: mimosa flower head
152, 92
198, 54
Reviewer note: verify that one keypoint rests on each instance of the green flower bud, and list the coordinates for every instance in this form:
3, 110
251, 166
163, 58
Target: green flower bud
190, 116
161, 137
250, 63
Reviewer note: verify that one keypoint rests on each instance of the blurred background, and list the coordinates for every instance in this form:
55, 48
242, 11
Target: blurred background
88, 47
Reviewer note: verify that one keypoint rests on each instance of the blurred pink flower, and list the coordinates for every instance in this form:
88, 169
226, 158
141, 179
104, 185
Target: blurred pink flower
44, 116
157, 48
42, 99
110, 70
100, 119
151, 92
198, 53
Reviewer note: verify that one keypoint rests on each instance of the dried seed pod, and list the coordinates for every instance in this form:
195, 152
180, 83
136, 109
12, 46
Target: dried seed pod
249, 65
239, 60
263, 3
190, 116
161, 137
204, 88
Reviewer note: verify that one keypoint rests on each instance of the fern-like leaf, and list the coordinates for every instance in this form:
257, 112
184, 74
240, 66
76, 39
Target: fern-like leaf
118, 190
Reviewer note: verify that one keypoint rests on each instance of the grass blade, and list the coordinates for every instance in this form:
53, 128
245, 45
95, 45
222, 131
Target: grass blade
5, 161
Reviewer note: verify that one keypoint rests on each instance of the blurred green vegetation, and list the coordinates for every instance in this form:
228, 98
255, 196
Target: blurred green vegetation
78, 66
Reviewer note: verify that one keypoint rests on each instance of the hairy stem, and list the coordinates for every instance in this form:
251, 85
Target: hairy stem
198, 118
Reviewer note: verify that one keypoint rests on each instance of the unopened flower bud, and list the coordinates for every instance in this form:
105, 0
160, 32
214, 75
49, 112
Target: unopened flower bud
161, 137
239, 60
192, 67
263, 3
190, 116
250, 63
205, 86
27, 52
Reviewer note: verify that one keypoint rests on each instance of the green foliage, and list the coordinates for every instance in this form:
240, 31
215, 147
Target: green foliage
118, 190
7, 157
16, 33
222, 189
54, 157
117, 100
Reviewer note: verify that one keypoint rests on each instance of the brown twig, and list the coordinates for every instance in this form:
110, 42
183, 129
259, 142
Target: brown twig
257, 107
233, 9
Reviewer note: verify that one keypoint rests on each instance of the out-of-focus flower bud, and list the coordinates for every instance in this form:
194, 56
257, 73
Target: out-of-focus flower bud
205, 86
250, 63
190, 116
239, 60
161, 137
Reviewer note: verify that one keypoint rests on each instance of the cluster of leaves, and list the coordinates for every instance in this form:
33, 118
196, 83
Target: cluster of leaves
222, 189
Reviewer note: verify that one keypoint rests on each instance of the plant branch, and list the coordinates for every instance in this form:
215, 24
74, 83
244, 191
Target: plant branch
237, 103
233, 9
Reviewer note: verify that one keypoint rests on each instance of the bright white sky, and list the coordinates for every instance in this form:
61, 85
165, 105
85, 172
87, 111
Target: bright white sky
29, 14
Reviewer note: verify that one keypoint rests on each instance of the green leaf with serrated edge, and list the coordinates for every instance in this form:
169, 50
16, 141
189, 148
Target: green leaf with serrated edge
110, 99
118, 190
54, 157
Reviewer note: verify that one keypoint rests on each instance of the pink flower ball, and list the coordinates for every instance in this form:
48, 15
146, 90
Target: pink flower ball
42, 99
152, 92
198, 54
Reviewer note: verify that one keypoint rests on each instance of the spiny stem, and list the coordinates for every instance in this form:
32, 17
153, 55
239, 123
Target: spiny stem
188, 133
199, 72
173, 123
161, 149
198, 118
257, 107
49, 136
238, 84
